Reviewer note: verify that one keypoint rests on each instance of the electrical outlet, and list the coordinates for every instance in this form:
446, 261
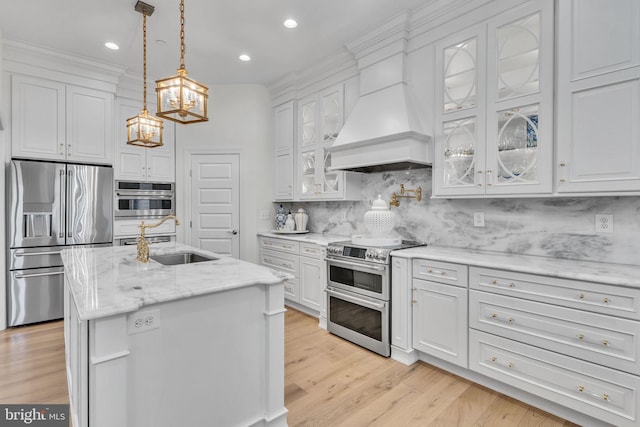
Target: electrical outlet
343, 215
478, 219
264, 215
604, 223
143, 321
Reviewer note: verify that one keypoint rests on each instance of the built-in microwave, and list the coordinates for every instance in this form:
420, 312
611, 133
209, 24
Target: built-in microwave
144, 199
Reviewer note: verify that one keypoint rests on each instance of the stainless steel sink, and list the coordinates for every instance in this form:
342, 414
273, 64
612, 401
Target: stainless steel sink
178, 258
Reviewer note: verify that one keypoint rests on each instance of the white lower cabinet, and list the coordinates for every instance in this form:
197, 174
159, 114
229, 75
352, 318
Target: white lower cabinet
570, 346
571, 342
303, 260
440, 325
598, 391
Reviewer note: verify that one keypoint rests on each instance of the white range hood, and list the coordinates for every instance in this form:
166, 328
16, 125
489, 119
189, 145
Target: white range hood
384, 130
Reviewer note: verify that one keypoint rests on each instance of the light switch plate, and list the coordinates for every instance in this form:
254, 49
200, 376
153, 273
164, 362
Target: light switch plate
478, 219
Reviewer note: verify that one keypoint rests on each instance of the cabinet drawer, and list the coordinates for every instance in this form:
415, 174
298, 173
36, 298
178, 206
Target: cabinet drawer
129, 228
280, 261
280, 245
600, 392
589, 296
291, 290
601, 339
311, 250
443, 272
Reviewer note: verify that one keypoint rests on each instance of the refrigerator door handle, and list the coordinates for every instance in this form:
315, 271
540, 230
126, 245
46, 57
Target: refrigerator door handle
26, 276
22, 254
61, 221
69, 204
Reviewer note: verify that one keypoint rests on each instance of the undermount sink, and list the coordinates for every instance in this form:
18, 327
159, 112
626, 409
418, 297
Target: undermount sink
178, 258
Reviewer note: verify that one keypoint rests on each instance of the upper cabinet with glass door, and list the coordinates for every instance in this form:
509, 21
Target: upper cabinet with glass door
321, 117
494, 122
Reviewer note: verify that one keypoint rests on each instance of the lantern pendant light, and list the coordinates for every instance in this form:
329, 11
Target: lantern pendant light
144, 130
180, 98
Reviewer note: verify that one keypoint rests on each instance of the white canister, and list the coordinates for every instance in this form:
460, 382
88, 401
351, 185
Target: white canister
301, 218
379, 220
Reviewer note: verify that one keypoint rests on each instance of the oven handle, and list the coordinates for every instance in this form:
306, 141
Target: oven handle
357, 264
355, 300
138, 196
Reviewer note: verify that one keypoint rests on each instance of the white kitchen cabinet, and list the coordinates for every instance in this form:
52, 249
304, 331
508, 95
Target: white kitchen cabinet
303, 260
494, 108
598, 96
54, 121
320, 118
135, 163
313, 277
284, 136
440, 316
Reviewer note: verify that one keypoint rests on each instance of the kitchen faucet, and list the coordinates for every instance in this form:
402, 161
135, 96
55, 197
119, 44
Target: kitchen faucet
143, 243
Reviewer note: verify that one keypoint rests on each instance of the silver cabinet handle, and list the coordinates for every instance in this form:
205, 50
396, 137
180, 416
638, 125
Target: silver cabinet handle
37, 253
26, 276
234, 232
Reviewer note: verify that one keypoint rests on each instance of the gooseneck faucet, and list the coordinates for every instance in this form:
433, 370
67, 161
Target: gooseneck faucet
143, 243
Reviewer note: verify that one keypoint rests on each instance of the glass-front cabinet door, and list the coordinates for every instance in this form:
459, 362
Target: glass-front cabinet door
459, 141
520, 102
321, 117
494, 115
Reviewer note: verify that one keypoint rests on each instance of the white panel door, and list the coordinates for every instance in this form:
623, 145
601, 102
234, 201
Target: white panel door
215, 203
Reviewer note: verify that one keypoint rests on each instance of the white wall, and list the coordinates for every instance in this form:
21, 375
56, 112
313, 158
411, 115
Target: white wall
4, 142
239, 118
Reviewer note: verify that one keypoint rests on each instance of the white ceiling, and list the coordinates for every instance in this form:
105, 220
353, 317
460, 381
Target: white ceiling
216, 32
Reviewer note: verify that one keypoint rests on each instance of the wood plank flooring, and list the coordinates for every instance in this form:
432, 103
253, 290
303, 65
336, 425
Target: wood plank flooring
332, 382
328, 382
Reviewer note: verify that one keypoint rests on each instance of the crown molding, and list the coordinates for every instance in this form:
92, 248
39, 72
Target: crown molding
20, 57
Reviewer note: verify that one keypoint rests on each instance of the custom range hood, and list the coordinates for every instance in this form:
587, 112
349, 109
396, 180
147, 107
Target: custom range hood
384, 131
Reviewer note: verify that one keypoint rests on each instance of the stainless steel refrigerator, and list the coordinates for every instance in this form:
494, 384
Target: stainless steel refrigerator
51, 206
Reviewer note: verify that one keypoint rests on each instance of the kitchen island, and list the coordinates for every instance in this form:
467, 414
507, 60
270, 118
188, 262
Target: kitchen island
190, 344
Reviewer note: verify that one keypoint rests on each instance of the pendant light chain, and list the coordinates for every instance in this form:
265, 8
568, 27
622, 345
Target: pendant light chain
182, 34
144, 60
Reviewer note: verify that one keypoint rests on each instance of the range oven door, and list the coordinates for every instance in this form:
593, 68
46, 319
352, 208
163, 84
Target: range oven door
359, 277
359, 319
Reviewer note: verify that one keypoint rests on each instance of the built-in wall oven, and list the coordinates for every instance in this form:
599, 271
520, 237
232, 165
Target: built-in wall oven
144, 199
359, 293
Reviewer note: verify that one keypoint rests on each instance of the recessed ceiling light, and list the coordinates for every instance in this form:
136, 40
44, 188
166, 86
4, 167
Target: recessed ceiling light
112, 46
244, 57
290, 23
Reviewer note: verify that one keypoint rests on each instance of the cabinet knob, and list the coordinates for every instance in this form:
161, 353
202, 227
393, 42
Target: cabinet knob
562, 164
68, 149
581, 296
605, 397
493, 359
580, 388
606, 300
605, 342
580, 337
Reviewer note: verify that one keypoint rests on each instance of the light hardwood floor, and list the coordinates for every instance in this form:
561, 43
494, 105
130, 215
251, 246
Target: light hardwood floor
328, 382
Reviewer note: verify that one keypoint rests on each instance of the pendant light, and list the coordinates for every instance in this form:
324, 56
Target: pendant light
180, 98
144, 130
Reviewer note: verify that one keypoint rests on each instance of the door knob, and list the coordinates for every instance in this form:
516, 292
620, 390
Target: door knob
232, 231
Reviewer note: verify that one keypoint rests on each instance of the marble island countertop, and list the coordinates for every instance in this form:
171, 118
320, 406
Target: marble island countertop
109, 281
317, 238
609, 273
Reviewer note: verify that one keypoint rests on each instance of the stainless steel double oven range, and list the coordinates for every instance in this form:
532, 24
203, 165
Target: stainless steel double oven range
359, 293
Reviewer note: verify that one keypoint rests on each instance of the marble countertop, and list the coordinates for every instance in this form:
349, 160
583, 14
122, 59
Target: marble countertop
108, 281
608, 273
317, 238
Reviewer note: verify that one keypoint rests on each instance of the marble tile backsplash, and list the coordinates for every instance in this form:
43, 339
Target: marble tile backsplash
554, 227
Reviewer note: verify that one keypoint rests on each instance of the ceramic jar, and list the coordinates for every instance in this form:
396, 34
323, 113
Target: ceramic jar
379, 220
301, 218
289, 224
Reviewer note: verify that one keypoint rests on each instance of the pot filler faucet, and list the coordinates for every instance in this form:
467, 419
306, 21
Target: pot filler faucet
143, 244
